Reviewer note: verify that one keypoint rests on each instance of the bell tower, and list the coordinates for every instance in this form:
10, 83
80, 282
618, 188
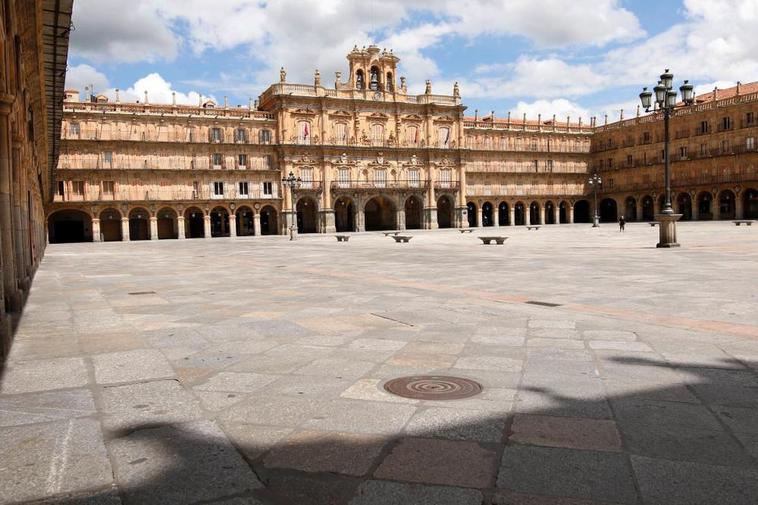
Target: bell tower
372, 69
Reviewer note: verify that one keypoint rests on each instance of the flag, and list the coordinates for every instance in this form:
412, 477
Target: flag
447, 138
305, 130
415, 139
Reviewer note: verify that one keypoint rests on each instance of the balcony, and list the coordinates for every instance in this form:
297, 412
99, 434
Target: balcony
384, 185
95, 194
96, 134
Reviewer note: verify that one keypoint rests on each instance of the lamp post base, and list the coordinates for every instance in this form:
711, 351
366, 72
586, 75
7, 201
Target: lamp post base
667, 229
595, 221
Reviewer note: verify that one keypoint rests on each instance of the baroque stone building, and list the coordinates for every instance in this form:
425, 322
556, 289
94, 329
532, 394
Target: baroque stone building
370, 157
33, 55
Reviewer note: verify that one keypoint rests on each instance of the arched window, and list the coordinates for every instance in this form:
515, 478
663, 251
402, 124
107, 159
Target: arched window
264, 136
359, 82
390, 82
374, 81
303, 132
443, 137
377, 134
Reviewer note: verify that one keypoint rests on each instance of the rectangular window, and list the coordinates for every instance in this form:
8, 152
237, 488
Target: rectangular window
306, 174
269, 162
244, 189
61, 188
629, 160
108, 158
195, 189
445, 178
646, 137
73, 129
663, 155
703, 149
216, 160
610, 163
215, 135
536, 165
703, 127
549, 165
77, 188
240, 135
377, 134
443, 137
749, 118
242, 161
412, 135
726, 123
413, 179
683, 152
380, 178
343, 177
218, 189
750, 143
303, 132
268, 188
108, 188
340, 133
264, 136
610, 183
724, 146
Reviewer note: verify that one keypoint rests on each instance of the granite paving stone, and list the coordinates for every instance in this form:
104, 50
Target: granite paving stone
130, 366
376, 492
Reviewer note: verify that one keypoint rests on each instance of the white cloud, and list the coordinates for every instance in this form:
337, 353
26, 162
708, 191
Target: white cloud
561, 107
158, 90
79, 76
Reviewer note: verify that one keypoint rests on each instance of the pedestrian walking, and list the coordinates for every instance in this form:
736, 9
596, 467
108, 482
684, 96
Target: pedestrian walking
622, 222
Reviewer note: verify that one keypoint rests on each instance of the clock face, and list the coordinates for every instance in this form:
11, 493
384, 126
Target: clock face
378, 95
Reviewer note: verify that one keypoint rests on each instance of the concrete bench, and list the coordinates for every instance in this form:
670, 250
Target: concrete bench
466, 230
536, 227
488, 240
342, 238
741, 221
402, 238
654, 223
388, 233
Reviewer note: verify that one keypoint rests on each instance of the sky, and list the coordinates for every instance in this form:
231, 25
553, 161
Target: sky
577, 58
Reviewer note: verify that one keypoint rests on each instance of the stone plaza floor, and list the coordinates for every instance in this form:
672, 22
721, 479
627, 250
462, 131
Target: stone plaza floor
250, 370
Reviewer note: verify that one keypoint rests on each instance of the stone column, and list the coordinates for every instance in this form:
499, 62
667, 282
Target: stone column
557, 214
329, 224
479, 217
180, 227
95, 230
695, 211
638, 205
431, 218
739, 210
527, 215
256, 224
571, 214
10, 291
496, 216
400, 219
542, 214
125, 229
512, 215
153, 228
232, 225
360, 220
207, 226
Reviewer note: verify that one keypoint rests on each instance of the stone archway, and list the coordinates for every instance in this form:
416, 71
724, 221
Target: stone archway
684, 206
519, 212
608, 210
534, 213
69, 225
444, 212
582, 212
307, 215
110, 225
269, 221
194, 223
471, 212
563, 212
167, 223
413, 212
727, 202
379, 214
244, 221
219, 222
549, 212
503, 214
705, 206
648, 208
344, 214
630, 209
139, 224
487, 217
750, 203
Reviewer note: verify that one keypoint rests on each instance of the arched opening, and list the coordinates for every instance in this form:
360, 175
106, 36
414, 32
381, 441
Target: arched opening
167, 224
487, 218
608, 210
306, 215
359, 79
390, 82
219, 222
374, 83
444, 212
139, 224
245, 222
704, 206
269, 222
413, 209
344, 214
519, 214
582, 212
110, 225
549, 213
471, 212
648, 209
630, 209
67, 226
380, 214
750, 203
503, 214
684, 206
661, 202
726, 204
534, 213
194, 223
563, 213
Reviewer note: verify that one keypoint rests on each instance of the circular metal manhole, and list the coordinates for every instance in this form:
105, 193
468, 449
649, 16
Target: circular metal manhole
433, 387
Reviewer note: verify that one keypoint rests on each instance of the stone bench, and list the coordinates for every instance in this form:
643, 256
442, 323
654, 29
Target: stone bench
536, 227
342, 238
388, 233
402, 238
488, 240
654, 223
466, 230
741, 221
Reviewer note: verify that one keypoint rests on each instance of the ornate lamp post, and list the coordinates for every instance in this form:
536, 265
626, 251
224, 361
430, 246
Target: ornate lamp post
666, 99
293, 183
595, 181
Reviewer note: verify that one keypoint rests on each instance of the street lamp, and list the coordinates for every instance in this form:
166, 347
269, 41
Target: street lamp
666, 99
293, 183
595, 181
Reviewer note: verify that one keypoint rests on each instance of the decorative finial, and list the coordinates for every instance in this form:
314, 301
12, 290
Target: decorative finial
173, 98
621, 115
428, 90
282, 75
317, 78
145, 96
226, 102
456, 89
117, 96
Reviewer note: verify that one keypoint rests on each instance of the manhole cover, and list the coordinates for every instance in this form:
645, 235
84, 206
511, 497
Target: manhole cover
433, 387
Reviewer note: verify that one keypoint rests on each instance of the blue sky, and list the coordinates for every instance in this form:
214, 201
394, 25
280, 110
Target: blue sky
577, 57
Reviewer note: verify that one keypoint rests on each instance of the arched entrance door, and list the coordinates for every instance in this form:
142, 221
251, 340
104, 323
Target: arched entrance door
139, 224
582, 212
487, 214
167, 224
245, 224
563, 213
444, 212
519, 214
471, 212
750, 203
307, 211
704, 206
549, 213
726, 204
684, 206
66, 226
219, 222
608, 210
630, 209
194, 223
269, 222
534, 213
110, 225
380, 214
503, 214
344, 214
413, 209
648, 208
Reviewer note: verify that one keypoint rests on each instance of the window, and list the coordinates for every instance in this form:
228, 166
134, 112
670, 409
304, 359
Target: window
445, 178
343, 177
749, 118
750, 143
240, 135
663, 155
377, 134
195, 189
413, 179
264, 136
73, 129
268, 188
218, 189
61, 188
380, 178
269, 162
412, 137
303, 132
243, 189
108, 188
726, 123
340, 133
703, 127
77, 188
703, 149
216, 160
610, 183
683, 152
536, 165
242, 161
724, 146
306, 174
359, 80
549, 165
443, 137
629, 160
533, 144
215, 135
108, 158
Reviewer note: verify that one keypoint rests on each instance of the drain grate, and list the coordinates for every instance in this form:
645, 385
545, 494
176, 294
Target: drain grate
142, 293
433, 387
544, 304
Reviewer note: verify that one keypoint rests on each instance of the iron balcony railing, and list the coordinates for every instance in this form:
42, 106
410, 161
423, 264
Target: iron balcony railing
381, 184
